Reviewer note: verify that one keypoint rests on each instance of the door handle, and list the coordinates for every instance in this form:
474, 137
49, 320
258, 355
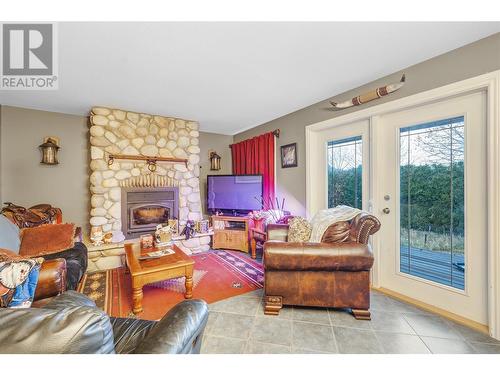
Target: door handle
386, 210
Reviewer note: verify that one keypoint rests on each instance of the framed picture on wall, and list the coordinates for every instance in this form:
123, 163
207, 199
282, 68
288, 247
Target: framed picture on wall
289, 155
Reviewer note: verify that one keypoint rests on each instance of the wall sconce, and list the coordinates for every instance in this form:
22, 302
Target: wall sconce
214, 161
49, 147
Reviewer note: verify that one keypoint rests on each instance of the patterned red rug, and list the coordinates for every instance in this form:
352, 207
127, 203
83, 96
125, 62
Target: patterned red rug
218, 274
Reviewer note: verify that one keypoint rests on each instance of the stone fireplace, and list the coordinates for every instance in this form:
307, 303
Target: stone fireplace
144, 208
172, 190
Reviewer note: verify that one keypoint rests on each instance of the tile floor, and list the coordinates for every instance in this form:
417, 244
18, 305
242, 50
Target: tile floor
238, 325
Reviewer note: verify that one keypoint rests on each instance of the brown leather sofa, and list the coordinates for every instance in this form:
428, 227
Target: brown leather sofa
70, 322
333, 273
51, 281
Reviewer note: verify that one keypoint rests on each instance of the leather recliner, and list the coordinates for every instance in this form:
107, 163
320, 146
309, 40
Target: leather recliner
71, 323
334, 273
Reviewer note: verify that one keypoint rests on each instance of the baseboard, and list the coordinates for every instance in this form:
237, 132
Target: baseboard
436, 310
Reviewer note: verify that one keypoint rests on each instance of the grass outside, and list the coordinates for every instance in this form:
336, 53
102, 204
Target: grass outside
432, 240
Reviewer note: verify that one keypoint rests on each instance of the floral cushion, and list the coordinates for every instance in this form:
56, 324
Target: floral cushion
18, 279
299, 230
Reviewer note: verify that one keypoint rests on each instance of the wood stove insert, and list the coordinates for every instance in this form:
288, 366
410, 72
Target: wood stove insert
144, 208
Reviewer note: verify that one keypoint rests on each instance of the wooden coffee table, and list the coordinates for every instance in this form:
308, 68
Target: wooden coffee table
153, 270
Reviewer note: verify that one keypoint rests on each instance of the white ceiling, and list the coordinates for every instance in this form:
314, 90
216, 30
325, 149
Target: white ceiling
231, 76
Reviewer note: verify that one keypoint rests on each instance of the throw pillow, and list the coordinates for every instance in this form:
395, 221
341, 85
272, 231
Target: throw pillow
299, 230
18, 279
47, 239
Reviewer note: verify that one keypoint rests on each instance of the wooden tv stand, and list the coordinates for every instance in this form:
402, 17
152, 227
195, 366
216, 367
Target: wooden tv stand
231, 232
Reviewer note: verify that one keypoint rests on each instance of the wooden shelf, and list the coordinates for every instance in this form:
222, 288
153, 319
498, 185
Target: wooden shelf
149, 159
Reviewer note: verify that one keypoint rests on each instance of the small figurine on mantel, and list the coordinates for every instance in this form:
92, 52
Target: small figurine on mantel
188, 230
108, 237
96, 236
163, 235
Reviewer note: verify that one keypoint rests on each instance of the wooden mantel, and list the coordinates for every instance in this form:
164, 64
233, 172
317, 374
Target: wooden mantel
148, 159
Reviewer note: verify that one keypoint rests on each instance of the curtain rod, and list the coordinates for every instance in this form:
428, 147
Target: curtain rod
276, 133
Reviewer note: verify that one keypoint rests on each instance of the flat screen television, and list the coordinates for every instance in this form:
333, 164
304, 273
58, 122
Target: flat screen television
231, 194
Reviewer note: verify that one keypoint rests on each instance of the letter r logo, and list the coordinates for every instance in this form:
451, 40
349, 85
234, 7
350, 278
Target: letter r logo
27, 49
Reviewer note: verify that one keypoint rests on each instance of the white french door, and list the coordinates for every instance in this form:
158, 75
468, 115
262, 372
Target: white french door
430, 177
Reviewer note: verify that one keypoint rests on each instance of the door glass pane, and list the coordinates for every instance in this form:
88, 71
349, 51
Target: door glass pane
432, 201
345, 169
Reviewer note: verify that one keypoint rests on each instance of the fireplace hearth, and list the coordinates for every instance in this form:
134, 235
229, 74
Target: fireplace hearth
144, 208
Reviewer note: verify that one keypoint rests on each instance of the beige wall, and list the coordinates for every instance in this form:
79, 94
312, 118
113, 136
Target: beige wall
219, 143
27, 182
23, 180
471, 60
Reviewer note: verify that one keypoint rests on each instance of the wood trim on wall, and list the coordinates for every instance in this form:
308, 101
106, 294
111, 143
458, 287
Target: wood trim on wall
493, 157
490, 83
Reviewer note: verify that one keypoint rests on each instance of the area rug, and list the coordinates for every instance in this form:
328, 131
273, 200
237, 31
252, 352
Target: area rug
218, 274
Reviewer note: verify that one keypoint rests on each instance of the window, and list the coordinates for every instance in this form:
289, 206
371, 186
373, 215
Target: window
432, 201
344, 160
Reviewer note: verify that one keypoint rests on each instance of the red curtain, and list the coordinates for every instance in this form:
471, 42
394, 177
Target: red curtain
256, 156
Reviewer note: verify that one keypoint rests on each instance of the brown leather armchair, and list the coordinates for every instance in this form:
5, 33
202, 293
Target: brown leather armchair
28, 219
333, 273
